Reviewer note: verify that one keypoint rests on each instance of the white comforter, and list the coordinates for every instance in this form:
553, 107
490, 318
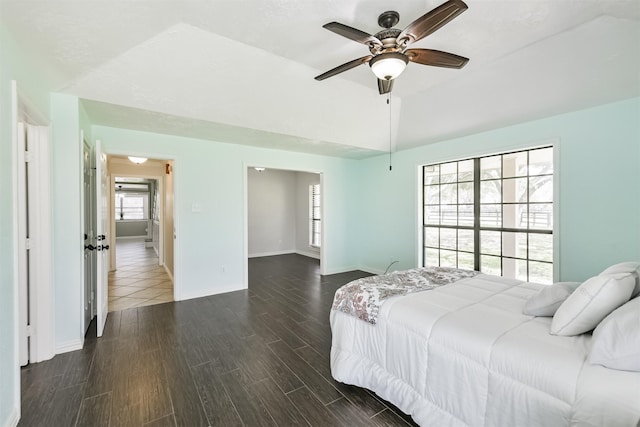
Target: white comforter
465, 355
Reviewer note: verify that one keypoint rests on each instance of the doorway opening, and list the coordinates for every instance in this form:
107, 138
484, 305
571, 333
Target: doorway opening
284, 213
141, 222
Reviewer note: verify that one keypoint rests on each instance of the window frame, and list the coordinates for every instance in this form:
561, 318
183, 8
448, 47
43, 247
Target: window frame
315, 194
477, 227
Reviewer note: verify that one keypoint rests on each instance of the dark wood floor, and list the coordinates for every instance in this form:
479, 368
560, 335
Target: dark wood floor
249, 358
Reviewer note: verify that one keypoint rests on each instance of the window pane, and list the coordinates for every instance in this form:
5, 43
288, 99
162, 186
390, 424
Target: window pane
541, 161
431, 237
541, 189
448, 172
541, 216
131, 205
448, 238
490, 216
514, 216
514, 268
465, 240
432, 215
465, 215
465, 261
490, 191
514, 190
465, 170
514, 197
432, 195
432, 174
514, 244
514, 164
490, 265
432, 257
490, 242
490, 167
448, 258
448, 194
541, 247
465, 192
540, 272
448, 215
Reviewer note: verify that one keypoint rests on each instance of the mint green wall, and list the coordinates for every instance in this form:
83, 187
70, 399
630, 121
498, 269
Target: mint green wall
67, 217
599, 188
212, 175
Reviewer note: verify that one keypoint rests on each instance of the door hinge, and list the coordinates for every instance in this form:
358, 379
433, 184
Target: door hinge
27, 243
27, 156
29, 330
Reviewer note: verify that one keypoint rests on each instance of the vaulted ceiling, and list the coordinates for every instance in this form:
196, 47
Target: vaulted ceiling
241, 71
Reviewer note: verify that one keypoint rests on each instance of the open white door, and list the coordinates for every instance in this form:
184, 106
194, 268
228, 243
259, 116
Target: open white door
102, 228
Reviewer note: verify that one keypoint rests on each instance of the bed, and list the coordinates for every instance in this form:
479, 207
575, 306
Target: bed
464, 354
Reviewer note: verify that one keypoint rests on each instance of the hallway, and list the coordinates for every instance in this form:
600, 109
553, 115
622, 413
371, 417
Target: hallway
138, 280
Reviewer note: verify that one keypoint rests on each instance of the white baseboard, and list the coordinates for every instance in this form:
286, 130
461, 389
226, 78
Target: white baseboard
261, 254
337, 270
14, 417
371, 270
68, 346
224, 290
310, 254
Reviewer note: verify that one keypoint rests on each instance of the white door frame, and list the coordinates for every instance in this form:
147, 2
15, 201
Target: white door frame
112, 218
162, 188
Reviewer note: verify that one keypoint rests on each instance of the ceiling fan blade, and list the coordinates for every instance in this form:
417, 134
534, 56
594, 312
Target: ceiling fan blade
344, 67
384, 86
432, 21
352, 33
436, 58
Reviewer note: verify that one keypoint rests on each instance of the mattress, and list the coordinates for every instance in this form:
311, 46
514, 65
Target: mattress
464, 355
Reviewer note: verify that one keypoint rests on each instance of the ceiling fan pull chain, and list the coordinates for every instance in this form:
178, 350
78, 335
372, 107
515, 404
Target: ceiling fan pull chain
389, 104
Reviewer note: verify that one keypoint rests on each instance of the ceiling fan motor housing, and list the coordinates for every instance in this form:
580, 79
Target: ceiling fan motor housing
388, 19
388, 37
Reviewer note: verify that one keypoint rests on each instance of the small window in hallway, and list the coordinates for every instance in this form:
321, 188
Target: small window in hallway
314, 215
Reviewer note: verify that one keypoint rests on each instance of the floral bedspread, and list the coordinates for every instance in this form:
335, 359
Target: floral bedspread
364, 297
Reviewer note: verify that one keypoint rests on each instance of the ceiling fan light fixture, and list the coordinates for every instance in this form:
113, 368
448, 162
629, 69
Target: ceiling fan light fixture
388, 66
137, 160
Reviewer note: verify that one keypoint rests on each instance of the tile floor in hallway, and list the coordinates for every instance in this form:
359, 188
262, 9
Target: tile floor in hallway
138, 280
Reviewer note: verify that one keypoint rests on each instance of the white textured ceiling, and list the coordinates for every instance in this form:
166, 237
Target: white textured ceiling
242, 71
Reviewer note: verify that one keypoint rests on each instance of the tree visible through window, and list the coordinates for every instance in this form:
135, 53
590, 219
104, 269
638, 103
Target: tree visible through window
493, 214
314, 215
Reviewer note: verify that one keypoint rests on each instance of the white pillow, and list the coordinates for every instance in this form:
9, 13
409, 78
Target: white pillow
592, 302
547, 301
616, 340
626, 267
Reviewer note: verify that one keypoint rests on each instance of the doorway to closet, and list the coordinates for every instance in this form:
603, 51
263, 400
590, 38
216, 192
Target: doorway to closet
284, 213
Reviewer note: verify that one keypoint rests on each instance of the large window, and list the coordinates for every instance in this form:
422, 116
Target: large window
493, 214
314, 215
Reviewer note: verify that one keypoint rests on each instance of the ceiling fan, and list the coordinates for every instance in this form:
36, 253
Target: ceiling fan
389, 54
